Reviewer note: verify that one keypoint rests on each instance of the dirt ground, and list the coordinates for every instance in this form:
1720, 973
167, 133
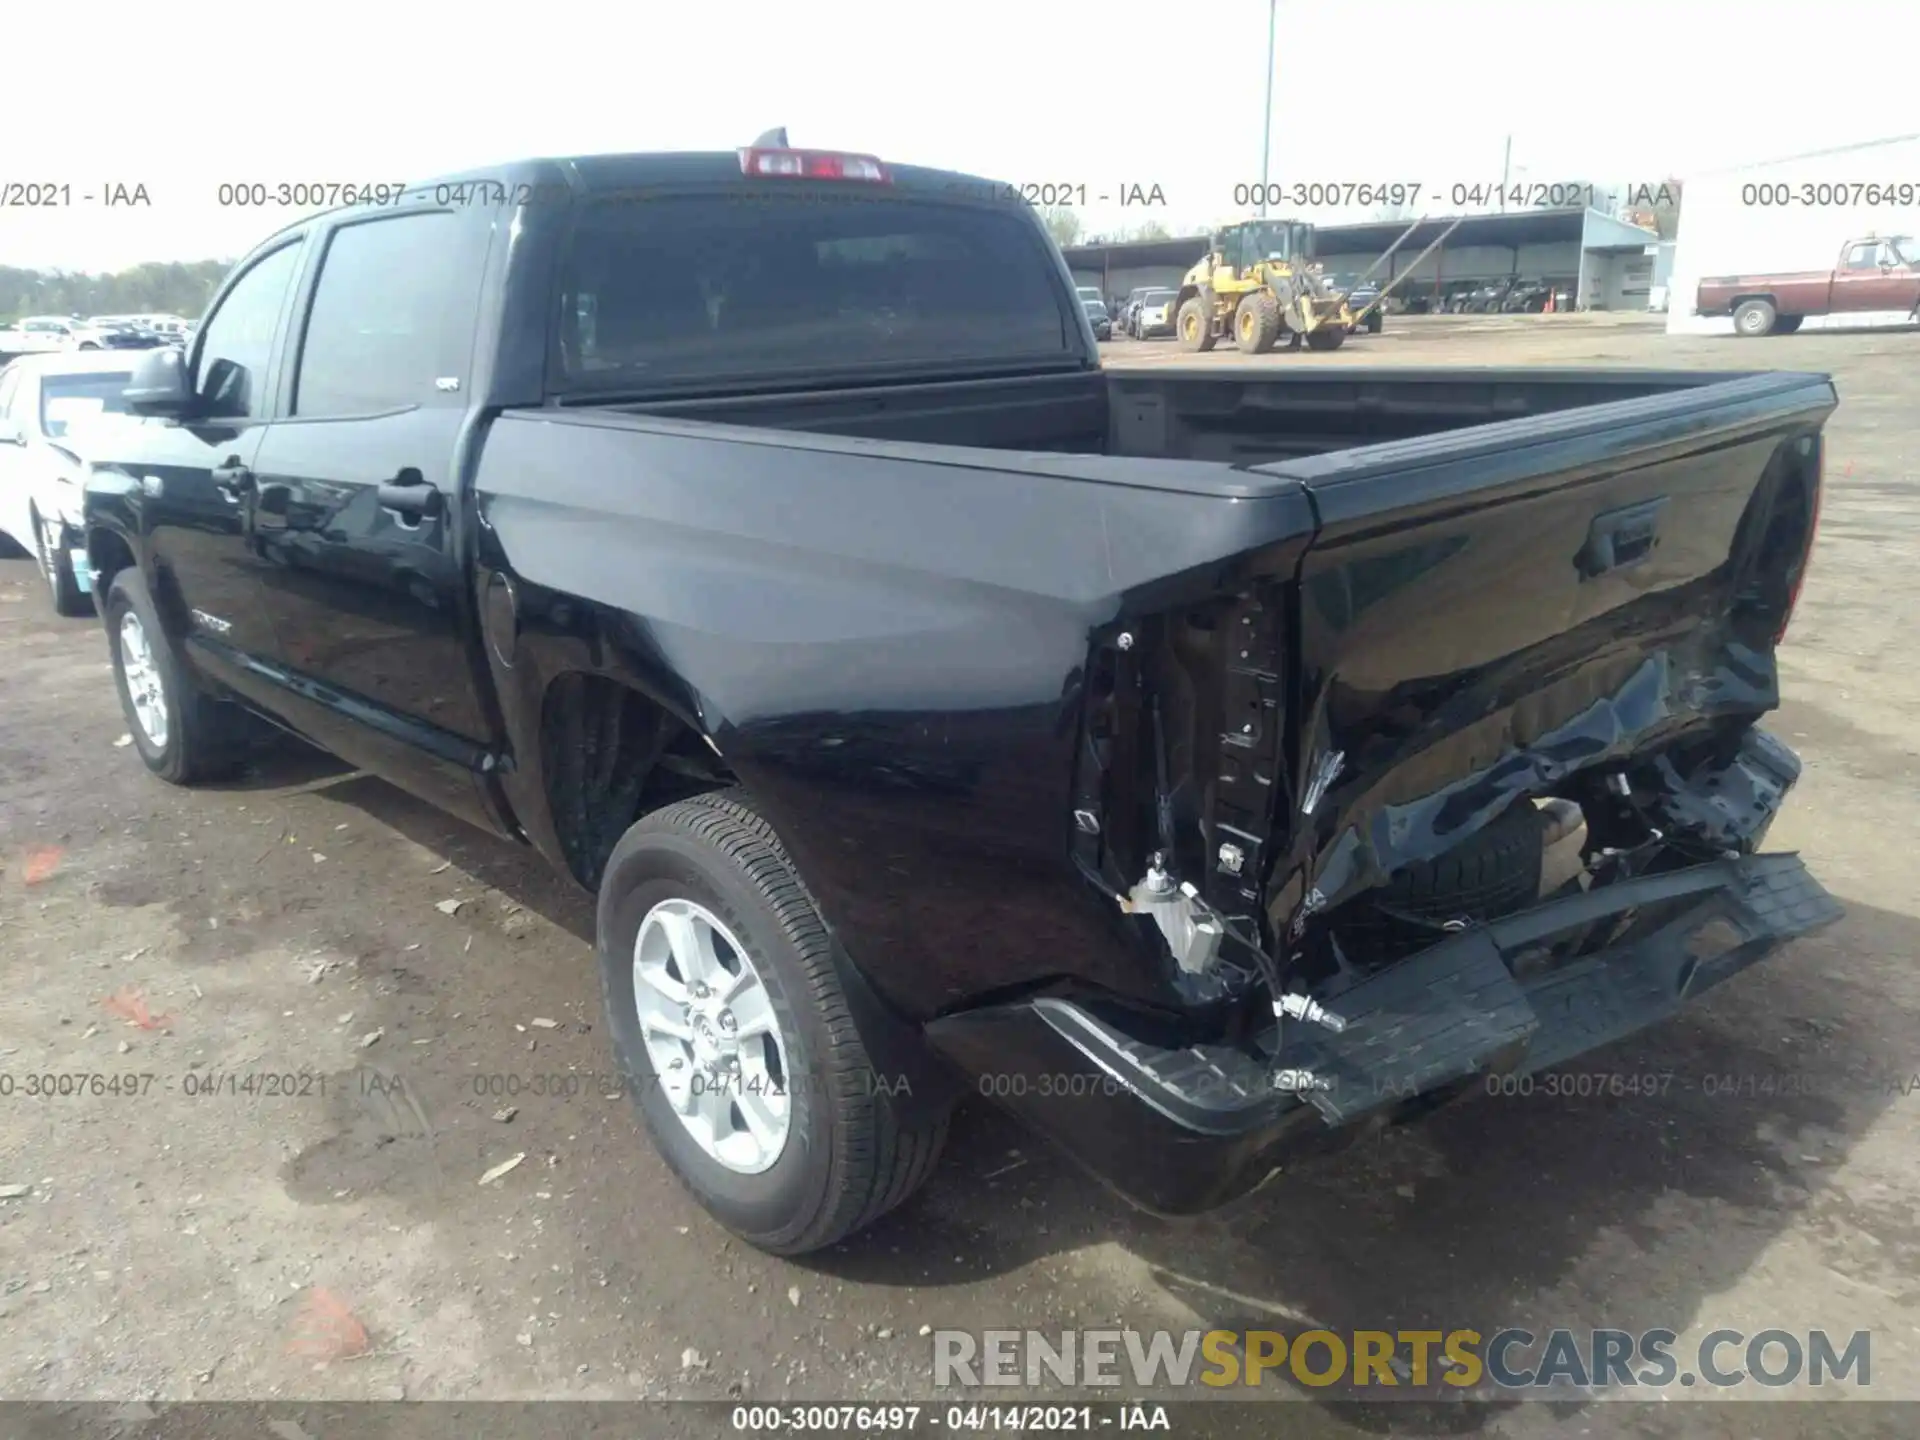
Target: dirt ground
225, 1245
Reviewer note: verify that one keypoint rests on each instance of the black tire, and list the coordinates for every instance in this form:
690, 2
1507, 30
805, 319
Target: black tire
205, 738
1256, 323
1326, 337
1194, 325
849, 1156
1787, 324
56, 564
1374, 322
1753, 318
1490, 874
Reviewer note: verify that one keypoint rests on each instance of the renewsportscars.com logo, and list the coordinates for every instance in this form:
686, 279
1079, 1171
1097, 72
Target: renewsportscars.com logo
1511, 1359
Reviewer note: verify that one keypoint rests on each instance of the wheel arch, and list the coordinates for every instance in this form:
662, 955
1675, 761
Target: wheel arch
108, 553
608, 753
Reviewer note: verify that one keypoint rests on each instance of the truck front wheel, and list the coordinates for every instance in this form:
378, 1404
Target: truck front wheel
1256, 324
1196, 325
732, 1028
183, 735
1752, 318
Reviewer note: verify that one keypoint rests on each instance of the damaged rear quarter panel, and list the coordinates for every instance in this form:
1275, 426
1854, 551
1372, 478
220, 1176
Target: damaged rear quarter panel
887, 649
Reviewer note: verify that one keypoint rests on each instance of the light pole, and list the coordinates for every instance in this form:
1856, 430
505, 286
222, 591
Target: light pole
1266, 111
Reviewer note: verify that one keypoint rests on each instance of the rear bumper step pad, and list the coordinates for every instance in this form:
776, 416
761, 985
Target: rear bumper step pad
1490, 1000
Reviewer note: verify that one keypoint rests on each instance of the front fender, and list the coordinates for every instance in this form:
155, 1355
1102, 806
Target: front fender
110, 518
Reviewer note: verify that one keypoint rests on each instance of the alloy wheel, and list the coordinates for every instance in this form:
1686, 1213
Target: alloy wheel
145, 689
710, 1031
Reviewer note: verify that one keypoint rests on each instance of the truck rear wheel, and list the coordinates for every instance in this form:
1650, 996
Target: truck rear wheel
1753, 318
1256, 323
1196, 325
1326, 337
731, 1025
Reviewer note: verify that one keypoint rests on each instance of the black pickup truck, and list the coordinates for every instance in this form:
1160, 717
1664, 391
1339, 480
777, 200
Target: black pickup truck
1201, 763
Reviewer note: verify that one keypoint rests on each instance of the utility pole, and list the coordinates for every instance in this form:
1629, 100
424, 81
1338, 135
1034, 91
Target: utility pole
1266, 112
1506, 168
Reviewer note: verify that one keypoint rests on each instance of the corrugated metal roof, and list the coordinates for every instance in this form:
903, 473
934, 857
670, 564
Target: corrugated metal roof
1512, 230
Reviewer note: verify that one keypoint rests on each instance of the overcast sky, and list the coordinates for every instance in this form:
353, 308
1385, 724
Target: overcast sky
1105, 95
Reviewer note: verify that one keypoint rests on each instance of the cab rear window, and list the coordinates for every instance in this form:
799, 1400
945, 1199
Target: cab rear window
771, 282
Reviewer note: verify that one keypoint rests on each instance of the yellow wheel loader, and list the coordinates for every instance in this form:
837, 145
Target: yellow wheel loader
1256, 284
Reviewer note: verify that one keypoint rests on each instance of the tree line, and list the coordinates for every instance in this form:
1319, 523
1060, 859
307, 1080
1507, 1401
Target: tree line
156, 288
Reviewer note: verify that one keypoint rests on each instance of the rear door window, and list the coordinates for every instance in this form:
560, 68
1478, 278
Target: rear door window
673, 289
378, 336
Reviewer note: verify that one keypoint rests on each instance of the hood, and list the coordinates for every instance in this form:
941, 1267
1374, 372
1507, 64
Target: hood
94, 438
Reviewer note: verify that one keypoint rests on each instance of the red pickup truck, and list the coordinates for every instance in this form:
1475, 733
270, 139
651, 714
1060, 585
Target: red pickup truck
1873, 274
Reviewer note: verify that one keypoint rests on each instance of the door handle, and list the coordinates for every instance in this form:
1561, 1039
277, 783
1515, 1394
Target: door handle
410, 493
233, 480
1620, 538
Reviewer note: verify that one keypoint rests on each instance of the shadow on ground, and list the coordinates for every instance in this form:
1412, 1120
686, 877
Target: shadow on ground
1628, 1212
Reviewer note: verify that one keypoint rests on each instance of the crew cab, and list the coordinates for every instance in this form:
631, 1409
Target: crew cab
1873, 274
1201, 762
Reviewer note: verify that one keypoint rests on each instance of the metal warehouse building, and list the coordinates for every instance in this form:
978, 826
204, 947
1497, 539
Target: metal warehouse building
1609, 264
1780, 215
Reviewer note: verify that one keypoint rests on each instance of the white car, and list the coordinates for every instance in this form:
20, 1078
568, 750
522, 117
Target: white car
1154, 314
49, 405
44, 334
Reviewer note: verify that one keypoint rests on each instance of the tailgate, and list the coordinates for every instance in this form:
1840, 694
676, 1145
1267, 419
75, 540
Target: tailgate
1483, 612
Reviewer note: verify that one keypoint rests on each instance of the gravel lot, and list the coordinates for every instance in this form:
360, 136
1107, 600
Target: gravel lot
228, 1246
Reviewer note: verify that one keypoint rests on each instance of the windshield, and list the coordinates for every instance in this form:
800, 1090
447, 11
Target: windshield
1095, 307
790, 283
65, 399
1159, 297
1248, 244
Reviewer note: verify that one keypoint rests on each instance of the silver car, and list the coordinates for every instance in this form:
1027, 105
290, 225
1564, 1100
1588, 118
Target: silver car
1154, 315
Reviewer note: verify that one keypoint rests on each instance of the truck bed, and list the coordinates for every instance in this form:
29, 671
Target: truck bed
878, 600
1200, 414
